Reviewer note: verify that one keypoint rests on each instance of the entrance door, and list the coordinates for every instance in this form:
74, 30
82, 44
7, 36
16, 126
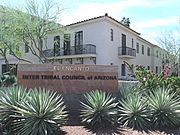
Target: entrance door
123, 70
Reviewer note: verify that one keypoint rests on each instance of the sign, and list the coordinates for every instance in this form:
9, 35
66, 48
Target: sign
68, 78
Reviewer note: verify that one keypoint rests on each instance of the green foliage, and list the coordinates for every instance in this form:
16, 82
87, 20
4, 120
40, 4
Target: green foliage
10, 98
174, 84
99, 109
149, 81
126, 90
37, 112
7, 80
165, 108
134, 112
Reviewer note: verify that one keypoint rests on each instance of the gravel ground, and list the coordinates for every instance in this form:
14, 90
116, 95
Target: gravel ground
80, 130
74, 127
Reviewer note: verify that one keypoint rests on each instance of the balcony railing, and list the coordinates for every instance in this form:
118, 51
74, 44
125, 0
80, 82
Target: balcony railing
126, 51
72, 50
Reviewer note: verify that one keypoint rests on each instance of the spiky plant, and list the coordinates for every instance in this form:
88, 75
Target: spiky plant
42, 114
165, 108
10, 98
99, 109
37, 112
133, 112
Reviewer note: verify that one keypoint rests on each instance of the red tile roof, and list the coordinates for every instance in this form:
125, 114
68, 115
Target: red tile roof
106, 15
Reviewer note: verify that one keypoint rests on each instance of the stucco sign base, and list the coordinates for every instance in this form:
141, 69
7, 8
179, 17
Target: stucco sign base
68, 78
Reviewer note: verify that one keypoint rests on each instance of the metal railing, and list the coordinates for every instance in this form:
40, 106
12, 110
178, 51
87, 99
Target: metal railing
72, 50
126, 51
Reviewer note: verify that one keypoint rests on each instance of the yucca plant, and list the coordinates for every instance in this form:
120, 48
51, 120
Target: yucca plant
10, 98
133, 112
165, 108
42, 114
99, 109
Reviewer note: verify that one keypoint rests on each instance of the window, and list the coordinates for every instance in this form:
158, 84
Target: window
137, 47
159, 69
148, 51
111, 34
142, 49
123, 44
56, 45
132, 43
78, 42
157, 53
123, 70
67, 44
156, 69
148, 67
26, 47
11, 67
79, 38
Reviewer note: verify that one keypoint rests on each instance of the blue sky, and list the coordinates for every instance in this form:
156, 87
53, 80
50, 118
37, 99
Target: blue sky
149, 17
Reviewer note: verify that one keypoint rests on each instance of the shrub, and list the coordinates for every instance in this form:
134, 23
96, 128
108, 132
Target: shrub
134, 112
164, 108
126, 90
38, 112
7, 80
99, 109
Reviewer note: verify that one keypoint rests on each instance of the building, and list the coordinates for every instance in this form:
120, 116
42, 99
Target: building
100, 40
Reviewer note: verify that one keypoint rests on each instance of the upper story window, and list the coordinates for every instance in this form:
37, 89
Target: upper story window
26, 47
123, 41
111, 33
132, 43
137, 47
148, 51
67, 38
56, 45
142, 49
79, 38
157, 53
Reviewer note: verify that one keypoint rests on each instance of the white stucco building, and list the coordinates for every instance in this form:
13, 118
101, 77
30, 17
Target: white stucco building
100, 40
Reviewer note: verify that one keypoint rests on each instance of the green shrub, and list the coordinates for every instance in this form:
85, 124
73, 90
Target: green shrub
99, 109
127, 90
134, 112
165, 108
7, 80
38, 112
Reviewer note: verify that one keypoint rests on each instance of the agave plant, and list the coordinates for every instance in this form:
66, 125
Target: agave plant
165, 108
42, 114
37, 112
133, 112
99, 109
10, 98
